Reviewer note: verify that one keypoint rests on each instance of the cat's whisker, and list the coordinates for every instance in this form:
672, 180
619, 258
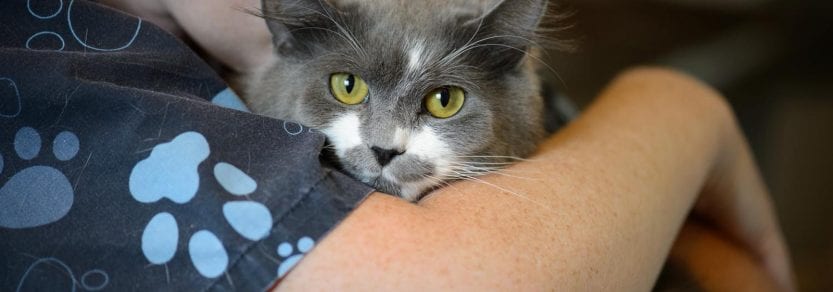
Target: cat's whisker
485, 163
344, 33
498, 172
500, 167
475, 170
476, 31
519, 174
455, 53
441, 182
357, 46
532, 42
438, 180
525, 52
516, 158
516, 194
479, 43
469, 46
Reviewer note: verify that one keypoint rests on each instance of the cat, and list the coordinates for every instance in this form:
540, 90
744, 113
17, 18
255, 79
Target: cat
409, 93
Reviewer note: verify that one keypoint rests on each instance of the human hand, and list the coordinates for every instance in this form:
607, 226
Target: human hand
225, 29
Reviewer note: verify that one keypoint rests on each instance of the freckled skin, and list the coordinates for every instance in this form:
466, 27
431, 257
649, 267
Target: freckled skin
404, 50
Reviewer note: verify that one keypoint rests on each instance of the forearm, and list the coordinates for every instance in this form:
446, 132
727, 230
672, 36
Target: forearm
600, 207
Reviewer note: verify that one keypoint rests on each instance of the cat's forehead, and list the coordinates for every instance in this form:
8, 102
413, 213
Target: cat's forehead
410, 10
401, 22
410, 37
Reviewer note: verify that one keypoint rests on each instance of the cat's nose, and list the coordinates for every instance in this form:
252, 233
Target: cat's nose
384, 156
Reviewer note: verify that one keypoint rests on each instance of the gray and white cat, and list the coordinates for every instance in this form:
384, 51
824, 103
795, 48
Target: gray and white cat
410, 93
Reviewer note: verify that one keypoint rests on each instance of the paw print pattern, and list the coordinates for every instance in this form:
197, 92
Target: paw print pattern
285, 250
171, 172
52, 41
37, 195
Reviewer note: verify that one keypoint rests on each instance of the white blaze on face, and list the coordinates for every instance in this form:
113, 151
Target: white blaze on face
344, 133
416, 57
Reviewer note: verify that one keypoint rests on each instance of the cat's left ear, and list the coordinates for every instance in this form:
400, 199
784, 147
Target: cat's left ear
512, 26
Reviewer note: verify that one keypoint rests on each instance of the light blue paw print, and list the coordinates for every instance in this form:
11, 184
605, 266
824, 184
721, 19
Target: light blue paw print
171, 171
285, 250
228, 99
37, 195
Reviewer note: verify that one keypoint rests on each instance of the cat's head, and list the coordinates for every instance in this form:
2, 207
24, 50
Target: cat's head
409, 93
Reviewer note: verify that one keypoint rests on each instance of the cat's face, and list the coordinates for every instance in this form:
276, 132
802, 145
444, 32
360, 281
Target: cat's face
408, 93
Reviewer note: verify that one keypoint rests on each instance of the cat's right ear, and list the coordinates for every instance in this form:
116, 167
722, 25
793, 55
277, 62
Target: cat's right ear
511, 28
297, 25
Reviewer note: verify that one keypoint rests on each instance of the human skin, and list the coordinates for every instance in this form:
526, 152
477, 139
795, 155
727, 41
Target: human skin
225, 29
716, 264
599, 206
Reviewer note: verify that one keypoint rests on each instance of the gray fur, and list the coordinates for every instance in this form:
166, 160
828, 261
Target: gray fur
503, 112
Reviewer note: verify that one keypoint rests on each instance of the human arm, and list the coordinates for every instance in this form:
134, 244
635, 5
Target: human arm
600, 209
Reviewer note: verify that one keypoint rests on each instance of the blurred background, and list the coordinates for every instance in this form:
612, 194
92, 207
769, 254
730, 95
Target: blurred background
773, 60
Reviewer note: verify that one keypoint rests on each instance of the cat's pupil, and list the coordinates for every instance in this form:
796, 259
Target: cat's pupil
445, 97
349, 83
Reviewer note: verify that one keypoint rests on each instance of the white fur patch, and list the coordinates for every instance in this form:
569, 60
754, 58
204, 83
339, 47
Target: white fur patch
429, 146
400, 138
344, 133
416, 57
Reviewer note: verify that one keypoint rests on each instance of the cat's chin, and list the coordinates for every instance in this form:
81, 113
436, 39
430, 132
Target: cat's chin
408, 176
415, 191
410, 191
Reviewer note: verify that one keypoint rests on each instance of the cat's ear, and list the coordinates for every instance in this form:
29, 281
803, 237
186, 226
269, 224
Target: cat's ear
512, 27
297, 25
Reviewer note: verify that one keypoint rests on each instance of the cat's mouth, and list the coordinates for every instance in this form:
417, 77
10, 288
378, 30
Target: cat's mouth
406, 176
411, 191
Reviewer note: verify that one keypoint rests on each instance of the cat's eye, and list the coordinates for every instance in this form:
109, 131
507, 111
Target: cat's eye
348, 88
445, 102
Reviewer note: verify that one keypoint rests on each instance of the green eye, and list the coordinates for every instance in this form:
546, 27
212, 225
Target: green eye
348, 88
445, 102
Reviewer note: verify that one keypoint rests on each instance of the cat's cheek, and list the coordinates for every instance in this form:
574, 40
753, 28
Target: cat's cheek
360, 163
430, 147
344, 133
